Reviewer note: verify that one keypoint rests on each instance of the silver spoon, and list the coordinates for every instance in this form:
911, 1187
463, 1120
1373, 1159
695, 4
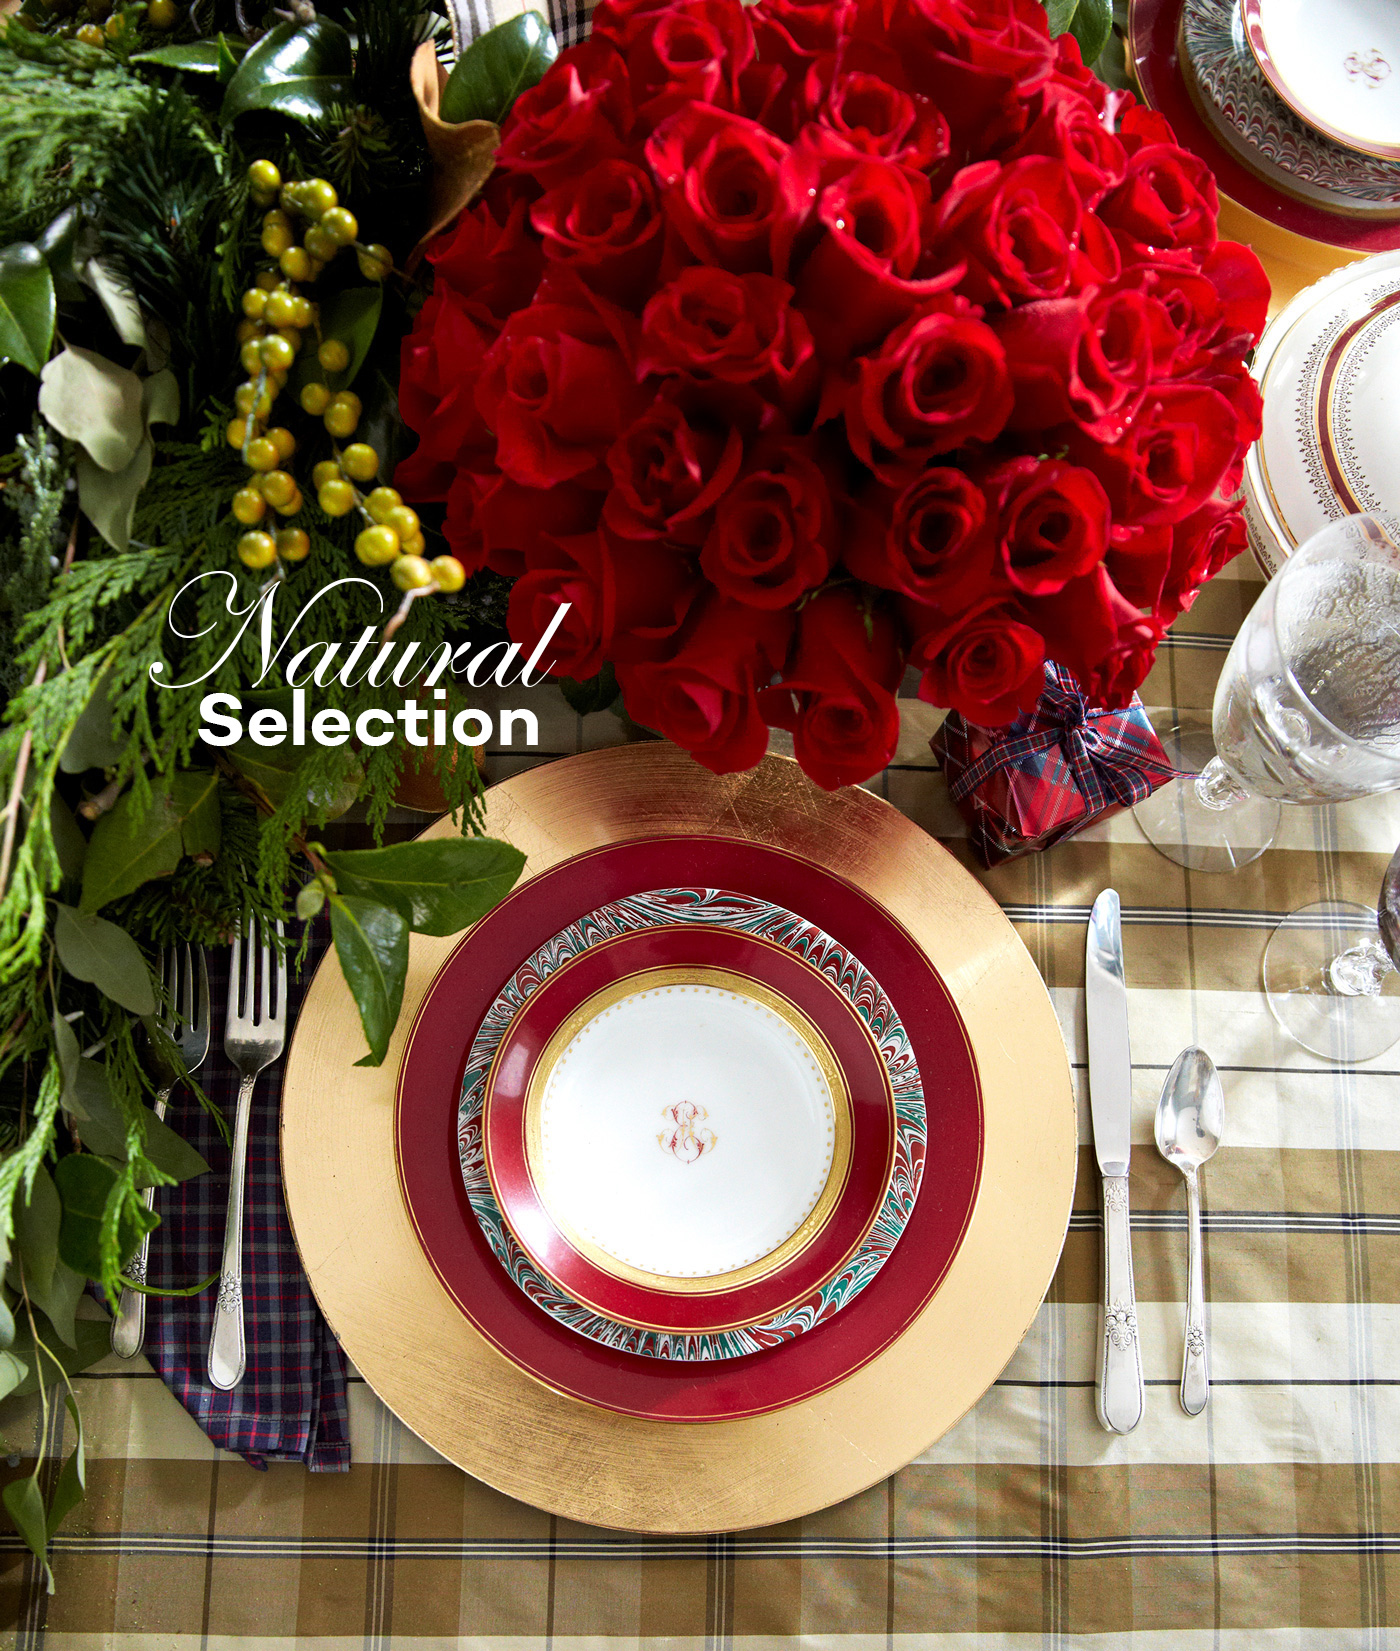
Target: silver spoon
1190, 1115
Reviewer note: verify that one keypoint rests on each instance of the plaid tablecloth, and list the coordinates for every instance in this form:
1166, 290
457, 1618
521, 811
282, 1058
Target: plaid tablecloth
1269, 1524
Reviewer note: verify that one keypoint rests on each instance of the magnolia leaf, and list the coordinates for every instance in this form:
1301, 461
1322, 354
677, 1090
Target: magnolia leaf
371, 942
13, 1370
463, 156
93, 742
116, 297
160, 398
198, 57
72, 1478
60, 1300
108, 497
1091, 26
96, 403
130, 847
351, 316
92, 949
497, 67
64, 245
68, 841
25, 1505
27, 306
84, 1183
438, 886
93, 1342
273, 769
1060, 14
302, 70
36, 1231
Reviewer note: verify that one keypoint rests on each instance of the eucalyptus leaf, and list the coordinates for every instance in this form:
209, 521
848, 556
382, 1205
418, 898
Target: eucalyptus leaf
301, 70
25, 1505
84, 1183
1092, 27
36, 1231
96, 403
496, 68
72, 1478
13, 1370
351, 316
93, 742
7, 1324
197, 57
108, 497
69, 843
94, 1342
170, 1152
92, 949
28, 306
438, 886
129, 847
100, 1121
60, 1301
66, 1048
371, 942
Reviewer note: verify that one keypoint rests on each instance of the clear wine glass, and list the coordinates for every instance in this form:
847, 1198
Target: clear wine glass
1330, 971
1307, 709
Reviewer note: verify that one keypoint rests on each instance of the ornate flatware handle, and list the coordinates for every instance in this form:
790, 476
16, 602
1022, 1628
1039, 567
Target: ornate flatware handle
1119, 1391
1195, 1363
129, 1326
227, 1353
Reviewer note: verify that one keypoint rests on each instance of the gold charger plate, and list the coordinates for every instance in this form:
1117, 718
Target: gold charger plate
440, 1376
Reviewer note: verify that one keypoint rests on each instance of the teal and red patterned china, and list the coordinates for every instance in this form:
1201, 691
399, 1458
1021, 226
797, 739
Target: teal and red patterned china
429, 1093
698, 1119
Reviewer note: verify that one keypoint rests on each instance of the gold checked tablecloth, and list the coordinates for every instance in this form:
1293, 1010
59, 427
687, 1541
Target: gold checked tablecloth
1271, 1523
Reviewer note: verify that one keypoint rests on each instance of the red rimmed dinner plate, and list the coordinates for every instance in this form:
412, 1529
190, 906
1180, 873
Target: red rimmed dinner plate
426, 1118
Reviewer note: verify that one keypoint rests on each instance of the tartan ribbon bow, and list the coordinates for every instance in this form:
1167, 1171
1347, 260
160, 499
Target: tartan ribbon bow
1101, 748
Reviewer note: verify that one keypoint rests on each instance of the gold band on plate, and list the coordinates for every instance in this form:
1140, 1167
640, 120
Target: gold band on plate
475, 1406
742, 986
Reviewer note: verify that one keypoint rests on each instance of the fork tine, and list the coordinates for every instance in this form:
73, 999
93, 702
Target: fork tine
235, 980
187, 985
281, 1013
201, 1023
169, 1017
265, 963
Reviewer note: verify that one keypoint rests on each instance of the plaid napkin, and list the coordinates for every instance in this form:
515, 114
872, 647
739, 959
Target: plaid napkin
291, 1405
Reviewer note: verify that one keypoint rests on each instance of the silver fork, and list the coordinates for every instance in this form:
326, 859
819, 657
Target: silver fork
254, 1033
189, 1017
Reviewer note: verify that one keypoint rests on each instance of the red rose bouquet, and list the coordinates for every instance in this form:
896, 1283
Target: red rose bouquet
794, 343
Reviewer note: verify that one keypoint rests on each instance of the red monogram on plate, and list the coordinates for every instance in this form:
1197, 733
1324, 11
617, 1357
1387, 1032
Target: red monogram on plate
684, 1140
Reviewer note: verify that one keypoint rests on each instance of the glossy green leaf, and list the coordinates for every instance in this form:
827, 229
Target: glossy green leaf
496, 68
301, 70
37, 1222
129, 847
27, 306
93, 742
94, 1342
92, 949
196, 57
25, 1505
371, 941
65, 244
230, 55
1060, 14
96, 403
84, 1182
72, 1477
278, 779
1091, 26
437, 886
351, 316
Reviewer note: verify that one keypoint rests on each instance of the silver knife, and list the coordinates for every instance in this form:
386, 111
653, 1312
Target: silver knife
1119, 1389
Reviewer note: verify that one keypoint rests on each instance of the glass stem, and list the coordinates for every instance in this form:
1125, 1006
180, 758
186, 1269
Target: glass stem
1360, 971
1217, 787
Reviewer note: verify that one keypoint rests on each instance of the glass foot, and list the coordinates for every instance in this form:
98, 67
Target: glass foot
1178, 824
1316, 965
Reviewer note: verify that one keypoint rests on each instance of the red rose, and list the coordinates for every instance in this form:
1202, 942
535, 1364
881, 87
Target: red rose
1080, 623
937, 382
559, 385
929, 543
837, 694
606, 225
863, 99
720, 178
439, 363
567, 569
704, 697
1239, 279
578, 115
1069, 129
1052, 522
493, 522
654, 589
1137, 562
1021, 232
738, 328
1178, 448
811, 26
1165, 204
1124, 668
491, 257
695, 50
671, 467
774, 534
1200, 547
986, 664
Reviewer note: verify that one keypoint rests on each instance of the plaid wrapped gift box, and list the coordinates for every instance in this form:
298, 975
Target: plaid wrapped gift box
1051, 773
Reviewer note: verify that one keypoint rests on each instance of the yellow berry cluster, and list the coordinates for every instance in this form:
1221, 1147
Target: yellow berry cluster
159, 14
394, 536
